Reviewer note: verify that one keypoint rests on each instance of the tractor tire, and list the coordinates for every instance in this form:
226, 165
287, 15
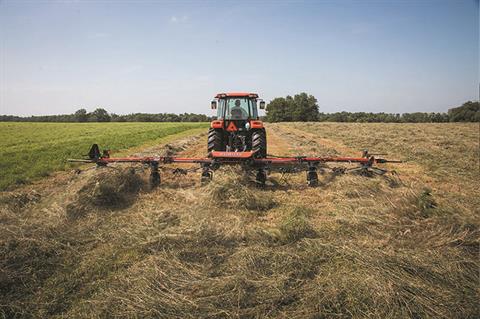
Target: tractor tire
259, 143
215, 140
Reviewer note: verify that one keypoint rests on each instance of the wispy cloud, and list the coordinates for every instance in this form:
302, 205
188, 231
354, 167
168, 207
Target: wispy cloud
202, 79
131, 69
361, 28
178, 19
67, 1
98, 35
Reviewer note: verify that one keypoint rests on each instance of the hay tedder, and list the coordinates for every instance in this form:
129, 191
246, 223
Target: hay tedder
238, 137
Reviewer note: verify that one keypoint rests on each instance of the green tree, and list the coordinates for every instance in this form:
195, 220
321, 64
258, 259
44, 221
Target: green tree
278, 110
81, 115
100, 115
468, 112
302, 107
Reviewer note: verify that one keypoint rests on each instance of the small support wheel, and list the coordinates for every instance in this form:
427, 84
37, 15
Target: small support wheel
312, 176
261, 177
207, 175
154, 175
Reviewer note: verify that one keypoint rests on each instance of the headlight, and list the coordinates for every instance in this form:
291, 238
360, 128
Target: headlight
247, 125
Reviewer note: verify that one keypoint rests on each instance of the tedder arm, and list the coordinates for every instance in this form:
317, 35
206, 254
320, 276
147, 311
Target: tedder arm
247, 159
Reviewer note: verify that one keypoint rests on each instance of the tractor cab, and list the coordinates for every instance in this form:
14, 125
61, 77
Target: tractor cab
237, 127
237, 106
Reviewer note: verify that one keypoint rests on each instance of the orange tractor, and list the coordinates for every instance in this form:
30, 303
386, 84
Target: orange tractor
237, 127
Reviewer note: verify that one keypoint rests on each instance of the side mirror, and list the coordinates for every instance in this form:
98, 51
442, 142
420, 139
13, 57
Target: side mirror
262, 105
214, 105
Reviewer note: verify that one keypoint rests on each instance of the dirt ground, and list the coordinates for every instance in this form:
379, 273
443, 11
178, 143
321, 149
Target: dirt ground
97, 242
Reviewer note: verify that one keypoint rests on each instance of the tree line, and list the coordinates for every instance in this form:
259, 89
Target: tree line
299, 108
303, 107
101, 115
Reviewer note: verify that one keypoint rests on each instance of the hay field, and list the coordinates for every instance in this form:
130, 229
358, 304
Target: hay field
100, 244
32, 150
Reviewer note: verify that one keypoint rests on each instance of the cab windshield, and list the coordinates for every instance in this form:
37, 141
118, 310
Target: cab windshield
237, 108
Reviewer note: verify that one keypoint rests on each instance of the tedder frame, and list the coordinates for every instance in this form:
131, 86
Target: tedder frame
366, 164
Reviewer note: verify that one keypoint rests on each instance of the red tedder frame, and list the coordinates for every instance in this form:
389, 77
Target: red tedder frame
246, 159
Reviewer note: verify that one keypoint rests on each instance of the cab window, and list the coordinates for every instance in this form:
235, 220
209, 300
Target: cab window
237, 108
253, 109
220, 109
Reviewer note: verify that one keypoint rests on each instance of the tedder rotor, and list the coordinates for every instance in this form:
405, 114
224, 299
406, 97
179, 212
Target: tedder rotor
237, 137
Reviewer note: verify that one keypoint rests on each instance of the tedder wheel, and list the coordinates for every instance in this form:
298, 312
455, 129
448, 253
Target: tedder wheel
259, 143
215, 140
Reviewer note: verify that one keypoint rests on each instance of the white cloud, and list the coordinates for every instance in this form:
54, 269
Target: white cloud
131, 69
203, 79
178, 19
361, 28
99, 35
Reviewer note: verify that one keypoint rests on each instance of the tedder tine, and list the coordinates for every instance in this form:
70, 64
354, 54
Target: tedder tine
378, 171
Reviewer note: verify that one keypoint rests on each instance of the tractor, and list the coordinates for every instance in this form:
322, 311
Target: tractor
237, 127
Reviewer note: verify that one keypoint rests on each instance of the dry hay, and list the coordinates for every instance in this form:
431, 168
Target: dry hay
110, 189
19, 200
204, 264
352, 248
295, 225
231, 190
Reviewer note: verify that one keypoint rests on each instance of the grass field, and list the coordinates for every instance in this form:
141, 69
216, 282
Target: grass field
32, 150
100, 244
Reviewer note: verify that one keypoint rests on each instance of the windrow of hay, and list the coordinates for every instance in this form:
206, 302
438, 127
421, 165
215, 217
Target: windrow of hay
295, 225
230, 189
19, 200
110, 189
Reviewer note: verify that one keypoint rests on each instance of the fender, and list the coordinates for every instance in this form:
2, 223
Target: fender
216, 124
256, 124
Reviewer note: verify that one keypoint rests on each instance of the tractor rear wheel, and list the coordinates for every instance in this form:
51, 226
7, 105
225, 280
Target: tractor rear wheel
215, 140
259, 143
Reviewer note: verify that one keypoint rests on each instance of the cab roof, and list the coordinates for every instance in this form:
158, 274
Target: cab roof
236, 94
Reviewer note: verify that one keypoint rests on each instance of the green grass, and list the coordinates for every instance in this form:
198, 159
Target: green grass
32, 150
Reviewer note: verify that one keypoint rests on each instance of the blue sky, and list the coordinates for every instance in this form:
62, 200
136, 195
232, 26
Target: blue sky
158, 56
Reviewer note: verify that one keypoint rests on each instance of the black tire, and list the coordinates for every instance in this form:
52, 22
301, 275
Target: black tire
259, 143
215, 140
